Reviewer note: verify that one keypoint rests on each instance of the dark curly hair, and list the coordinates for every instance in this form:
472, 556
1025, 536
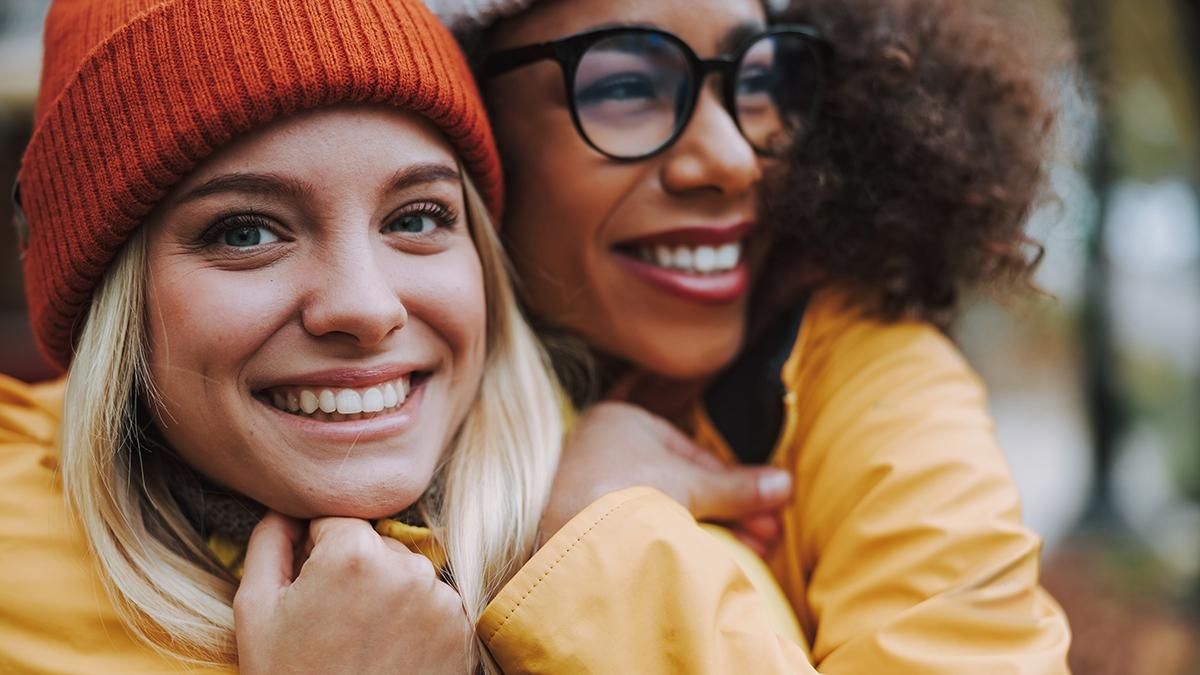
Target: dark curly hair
915, 185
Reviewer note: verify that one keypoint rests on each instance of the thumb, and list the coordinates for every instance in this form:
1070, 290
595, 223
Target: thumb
735, 492
269, 561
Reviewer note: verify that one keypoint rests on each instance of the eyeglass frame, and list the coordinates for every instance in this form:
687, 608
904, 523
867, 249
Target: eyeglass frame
568, 52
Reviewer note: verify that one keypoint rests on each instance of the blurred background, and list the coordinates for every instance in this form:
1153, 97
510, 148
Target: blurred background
1095, 388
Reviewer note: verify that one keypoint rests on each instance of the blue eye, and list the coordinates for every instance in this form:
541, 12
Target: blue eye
413, 223
754, 81
619, 87
245, 230
248, 235
425, 221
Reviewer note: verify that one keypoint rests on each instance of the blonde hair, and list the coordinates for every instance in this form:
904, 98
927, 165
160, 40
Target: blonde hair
166, 585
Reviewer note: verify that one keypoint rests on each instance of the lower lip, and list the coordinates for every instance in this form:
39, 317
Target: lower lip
382, 426
707, 289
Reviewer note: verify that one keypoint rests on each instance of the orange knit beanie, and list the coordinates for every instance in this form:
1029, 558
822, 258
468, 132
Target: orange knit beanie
136, 93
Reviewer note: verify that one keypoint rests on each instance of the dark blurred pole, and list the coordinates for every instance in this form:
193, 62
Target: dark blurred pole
1189, 10
1189, 13
1089, 20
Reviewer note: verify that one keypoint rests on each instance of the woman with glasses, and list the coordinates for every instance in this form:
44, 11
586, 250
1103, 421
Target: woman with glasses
305, 427
637, 139
625, 585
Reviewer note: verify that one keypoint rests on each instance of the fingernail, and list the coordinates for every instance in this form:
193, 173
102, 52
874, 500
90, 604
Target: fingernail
774, 484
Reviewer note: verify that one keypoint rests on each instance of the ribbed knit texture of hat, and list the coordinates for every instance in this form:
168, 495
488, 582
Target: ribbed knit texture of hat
136, 93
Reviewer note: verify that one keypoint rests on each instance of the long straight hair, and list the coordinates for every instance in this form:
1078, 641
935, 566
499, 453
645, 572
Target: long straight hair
168, 587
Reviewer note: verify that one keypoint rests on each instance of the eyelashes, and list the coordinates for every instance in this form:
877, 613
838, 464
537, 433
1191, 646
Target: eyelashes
250, 230
441, 216
241, 230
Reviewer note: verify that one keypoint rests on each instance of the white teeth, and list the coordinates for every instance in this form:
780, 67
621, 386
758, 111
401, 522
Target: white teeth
695, 259
353, 403
705, 259
389, 396
728, 255
663, 255
372, 400
308, 402
327, 402
349, 402
682, 258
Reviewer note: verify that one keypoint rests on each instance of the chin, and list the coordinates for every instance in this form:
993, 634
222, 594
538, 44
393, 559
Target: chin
370, 497
686, 358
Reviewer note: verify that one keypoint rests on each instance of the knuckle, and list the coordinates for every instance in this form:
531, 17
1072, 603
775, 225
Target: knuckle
353, 557
446, 601
419, 568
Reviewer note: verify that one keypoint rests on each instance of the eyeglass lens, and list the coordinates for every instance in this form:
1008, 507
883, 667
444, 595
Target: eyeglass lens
633, 92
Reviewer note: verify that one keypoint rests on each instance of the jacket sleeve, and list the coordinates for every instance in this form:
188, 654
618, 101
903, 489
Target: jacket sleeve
633, 585
55, 616
906, 550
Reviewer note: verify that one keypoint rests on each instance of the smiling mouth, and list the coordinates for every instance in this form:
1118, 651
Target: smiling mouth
705, 265
691, 251
698, 260
344, 404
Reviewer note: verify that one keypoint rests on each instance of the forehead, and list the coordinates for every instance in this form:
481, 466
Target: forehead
704, 24
332, 140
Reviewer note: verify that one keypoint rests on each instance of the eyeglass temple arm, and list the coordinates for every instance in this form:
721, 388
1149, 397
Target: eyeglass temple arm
505, 61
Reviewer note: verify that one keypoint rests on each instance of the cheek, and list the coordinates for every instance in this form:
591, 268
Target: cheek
203, 326
562, 205
447, 296
557, 197
207, 319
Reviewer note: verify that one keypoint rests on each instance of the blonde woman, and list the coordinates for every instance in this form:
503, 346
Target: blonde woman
253, 240
275, 286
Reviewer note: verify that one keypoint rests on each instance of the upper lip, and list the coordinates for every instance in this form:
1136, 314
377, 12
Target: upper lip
701, 235
346, 378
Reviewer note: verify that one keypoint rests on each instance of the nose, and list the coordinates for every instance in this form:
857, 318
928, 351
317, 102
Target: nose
712, 154
351, 294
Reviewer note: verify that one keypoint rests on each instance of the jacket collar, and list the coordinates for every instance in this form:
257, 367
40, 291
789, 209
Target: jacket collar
419, 540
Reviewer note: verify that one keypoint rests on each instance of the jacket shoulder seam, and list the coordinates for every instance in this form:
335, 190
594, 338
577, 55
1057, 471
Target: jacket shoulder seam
537, 582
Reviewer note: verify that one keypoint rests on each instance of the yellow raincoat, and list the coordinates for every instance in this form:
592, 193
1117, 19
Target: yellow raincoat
56, 618
903, 552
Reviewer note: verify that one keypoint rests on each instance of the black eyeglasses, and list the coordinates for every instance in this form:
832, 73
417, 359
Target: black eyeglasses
632, 90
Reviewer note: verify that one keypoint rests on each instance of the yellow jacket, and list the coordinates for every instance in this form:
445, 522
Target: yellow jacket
56, 618
903, 551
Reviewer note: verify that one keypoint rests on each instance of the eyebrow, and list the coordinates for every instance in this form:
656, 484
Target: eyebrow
739, 34
284, 187
419, 174
261, 184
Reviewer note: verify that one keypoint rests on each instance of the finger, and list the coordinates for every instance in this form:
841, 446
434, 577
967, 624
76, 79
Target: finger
737, 492
674, 440
269, 557
753, 543
396, 546
766, 527
322, 531
337, 542
685, 447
